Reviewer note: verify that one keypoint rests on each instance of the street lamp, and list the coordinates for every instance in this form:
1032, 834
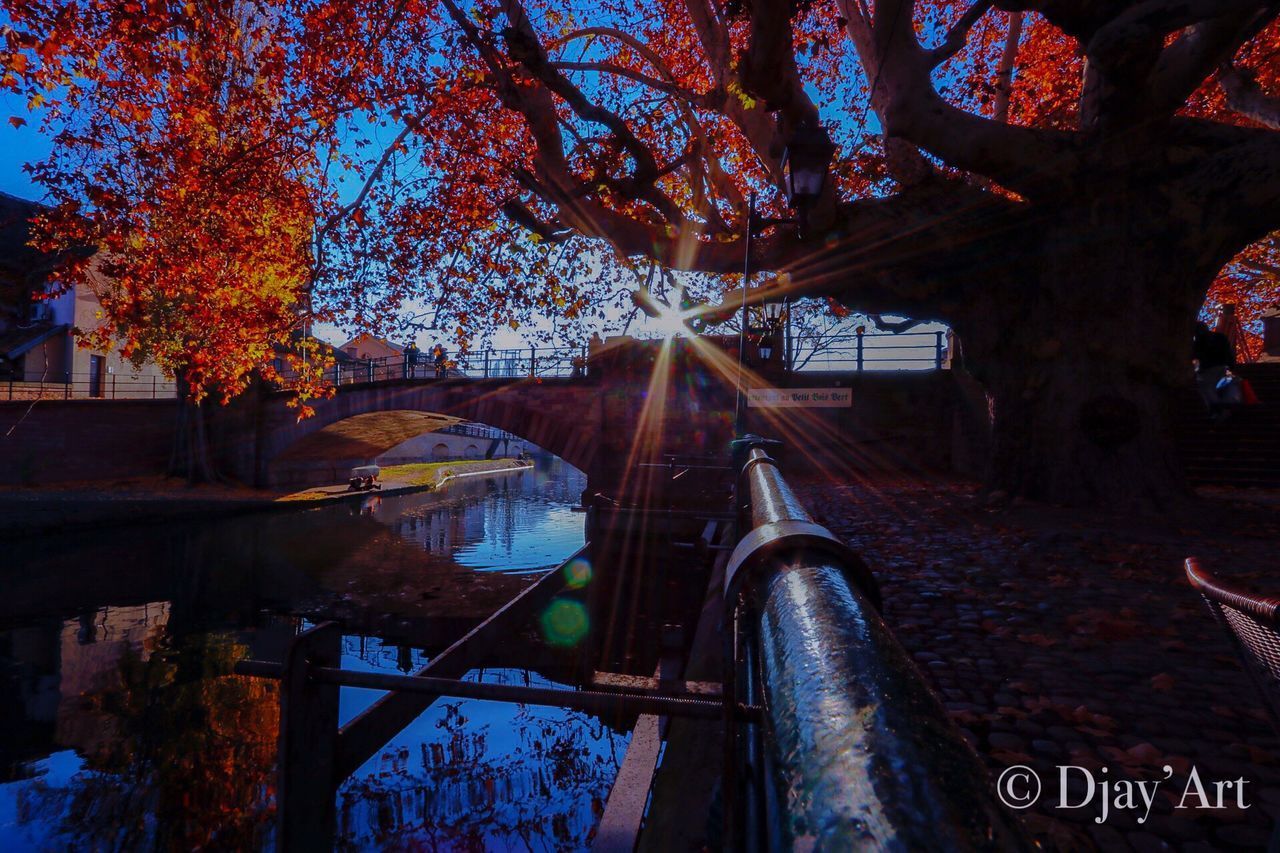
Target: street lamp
772, 323
805, 163
766, 346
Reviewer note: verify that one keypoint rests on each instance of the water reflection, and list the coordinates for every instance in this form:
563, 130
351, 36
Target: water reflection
122, 728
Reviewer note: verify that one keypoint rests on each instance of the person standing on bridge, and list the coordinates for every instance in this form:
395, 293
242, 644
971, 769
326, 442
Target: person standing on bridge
411, 360
441, 362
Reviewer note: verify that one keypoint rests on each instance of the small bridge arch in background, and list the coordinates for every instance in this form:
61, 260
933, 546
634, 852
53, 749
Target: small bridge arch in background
360, 422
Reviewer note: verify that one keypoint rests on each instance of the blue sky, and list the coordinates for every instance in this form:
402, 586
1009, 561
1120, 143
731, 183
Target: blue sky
18, 146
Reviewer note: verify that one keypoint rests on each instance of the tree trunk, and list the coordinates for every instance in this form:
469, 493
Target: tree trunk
191, 458
1084, 357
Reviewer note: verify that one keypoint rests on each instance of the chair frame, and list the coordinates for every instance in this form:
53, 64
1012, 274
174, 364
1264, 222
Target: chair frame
1252, 622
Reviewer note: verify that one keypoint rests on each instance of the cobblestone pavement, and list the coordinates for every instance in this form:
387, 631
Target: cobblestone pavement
1066, 638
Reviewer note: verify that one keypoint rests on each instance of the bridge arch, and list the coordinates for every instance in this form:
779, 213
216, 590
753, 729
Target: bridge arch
563, 416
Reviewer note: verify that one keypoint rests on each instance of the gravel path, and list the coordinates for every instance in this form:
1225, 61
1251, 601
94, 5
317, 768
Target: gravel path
1067, 638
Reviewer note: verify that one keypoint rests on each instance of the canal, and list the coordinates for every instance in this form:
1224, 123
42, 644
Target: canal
122, 727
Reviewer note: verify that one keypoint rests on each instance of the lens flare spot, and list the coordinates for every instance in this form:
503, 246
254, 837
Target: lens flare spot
577, 573
564, 622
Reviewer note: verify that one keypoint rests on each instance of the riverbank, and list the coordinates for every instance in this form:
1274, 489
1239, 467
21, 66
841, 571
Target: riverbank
43, 510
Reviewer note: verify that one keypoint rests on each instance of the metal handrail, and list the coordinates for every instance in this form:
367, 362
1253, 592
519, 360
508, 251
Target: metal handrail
88, 386
590, 701
855, 352
862, 748
477, 431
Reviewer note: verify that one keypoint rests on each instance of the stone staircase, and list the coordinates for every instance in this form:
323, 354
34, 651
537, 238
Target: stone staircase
1244, 450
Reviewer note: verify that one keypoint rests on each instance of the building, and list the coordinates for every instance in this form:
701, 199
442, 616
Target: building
365, 346
39, 356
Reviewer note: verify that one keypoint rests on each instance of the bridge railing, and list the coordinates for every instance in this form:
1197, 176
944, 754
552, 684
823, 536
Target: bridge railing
477, 431
871, 351
90, 386
549, 362
845, 353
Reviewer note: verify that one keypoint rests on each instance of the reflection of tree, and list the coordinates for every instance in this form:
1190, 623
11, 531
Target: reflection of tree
545, 794
190, 765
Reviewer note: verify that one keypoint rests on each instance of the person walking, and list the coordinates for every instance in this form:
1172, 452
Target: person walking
1212, 353
411, 360
440, 360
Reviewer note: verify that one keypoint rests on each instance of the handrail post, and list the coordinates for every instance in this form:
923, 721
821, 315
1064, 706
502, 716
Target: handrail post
937, 362
308, 742
533, 357
846, 710
486, 364
859, 352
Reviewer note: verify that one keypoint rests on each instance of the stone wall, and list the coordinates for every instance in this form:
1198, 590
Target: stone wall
57, 441
902, 421
910, 421
426, 448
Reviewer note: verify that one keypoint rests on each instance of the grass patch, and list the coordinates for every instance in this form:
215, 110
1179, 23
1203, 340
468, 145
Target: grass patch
430, 473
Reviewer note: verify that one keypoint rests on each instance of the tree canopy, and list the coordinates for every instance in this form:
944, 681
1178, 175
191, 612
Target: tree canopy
251, 167
248, 167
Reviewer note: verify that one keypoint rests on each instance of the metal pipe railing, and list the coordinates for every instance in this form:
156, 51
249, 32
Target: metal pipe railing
860, 751
593, 702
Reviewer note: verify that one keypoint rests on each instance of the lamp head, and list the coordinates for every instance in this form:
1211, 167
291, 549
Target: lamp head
805, 163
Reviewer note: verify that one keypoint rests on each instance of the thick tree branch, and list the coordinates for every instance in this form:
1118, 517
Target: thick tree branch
1184, 65
1238, 185
1246, 97
1029, 161
519, 213
768, 67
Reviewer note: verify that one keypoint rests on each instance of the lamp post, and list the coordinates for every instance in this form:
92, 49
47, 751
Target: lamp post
805, 163
769, 334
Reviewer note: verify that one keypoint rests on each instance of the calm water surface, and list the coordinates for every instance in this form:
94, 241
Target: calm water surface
122, 727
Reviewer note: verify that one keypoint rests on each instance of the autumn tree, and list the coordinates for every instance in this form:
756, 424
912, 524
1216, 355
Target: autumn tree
1059, 180
1070, 244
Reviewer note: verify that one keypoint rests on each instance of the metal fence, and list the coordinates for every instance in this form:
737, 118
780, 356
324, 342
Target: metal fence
547, 362
474, 430
81, 386
871, 351
854, 352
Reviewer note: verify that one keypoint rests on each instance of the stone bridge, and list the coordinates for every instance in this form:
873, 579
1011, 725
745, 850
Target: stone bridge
619, 415
361, 422
631, 408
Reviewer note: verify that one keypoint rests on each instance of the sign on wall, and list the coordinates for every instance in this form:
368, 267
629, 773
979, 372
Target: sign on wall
813, 398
